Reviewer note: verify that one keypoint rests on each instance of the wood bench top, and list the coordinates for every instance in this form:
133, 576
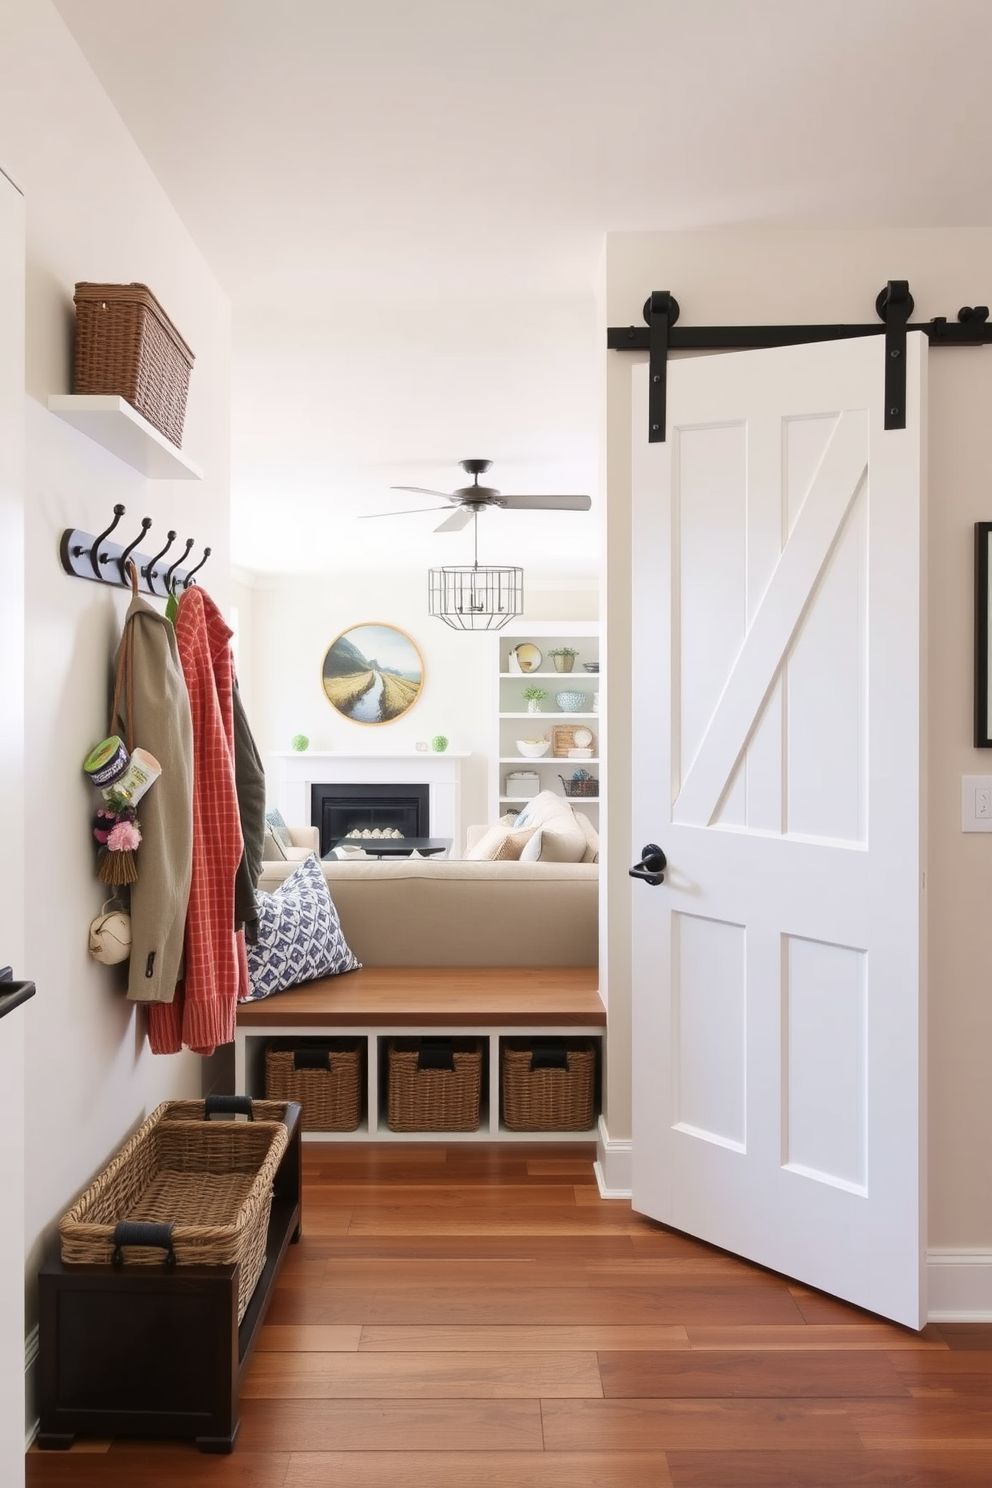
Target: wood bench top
436, 996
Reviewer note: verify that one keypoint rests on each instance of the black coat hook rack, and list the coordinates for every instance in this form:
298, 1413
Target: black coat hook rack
89, 557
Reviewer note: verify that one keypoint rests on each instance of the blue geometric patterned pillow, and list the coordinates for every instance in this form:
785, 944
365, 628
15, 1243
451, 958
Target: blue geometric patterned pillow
299, 934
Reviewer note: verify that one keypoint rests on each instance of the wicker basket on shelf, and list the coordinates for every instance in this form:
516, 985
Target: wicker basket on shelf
434, 1084
548, 1085
201, 1190
327, 1082
126, 345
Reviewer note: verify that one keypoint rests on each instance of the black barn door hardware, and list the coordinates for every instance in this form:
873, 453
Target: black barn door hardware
652, 865
88, 557
893, 305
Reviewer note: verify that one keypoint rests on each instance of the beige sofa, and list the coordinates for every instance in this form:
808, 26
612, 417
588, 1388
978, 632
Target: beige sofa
449, 912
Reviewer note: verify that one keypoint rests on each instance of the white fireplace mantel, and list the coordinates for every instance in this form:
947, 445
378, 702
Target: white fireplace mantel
294, 772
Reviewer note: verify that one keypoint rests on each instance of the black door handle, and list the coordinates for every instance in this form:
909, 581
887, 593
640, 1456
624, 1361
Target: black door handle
652, 865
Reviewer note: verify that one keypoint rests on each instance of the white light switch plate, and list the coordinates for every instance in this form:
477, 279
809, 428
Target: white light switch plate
976, 803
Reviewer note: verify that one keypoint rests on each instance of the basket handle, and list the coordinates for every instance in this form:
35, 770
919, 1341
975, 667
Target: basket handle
436, 1054
139, 1232
312, 1059
232, 1105
548, 1056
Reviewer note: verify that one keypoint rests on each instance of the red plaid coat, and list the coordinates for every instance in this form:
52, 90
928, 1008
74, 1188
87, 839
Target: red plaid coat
202, 1012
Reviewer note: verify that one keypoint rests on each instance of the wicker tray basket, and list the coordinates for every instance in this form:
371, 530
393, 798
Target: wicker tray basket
327, 1082
548, 1085
201, 1190
434, 1084
127, 345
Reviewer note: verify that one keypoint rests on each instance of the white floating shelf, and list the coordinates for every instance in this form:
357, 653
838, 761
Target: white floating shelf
559, 677
112, 422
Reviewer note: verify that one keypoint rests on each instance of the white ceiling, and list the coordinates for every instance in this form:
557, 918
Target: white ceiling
406, 201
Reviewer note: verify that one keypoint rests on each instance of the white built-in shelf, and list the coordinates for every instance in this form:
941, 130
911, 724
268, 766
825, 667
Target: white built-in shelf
549, 715
583, 801
121, 429
561, 677
543, 759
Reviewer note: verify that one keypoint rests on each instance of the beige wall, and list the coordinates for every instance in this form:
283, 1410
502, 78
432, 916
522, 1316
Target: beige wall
12, 809
753, 276
294, 620
93, 211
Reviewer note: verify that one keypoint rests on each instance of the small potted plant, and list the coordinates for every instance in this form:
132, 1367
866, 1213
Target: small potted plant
563, 657
534, 697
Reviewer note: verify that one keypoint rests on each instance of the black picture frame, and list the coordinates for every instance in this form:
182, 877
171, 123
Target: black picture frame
983, 612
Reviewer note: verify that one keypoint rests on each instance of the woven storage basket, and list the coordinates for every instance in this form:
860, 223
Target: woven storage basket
326, 1081
548, 1085
434, 1084
127, 345
212, 1181
586, 786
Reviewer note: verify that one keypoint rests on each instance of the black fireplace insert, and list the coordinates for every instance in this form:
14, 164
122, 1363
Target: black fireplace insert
338, 810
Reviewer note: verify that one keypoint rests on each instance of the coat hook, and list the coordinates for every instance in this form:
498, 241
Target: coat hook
189, 577
146, 522
95, 549
150, 572
170, 571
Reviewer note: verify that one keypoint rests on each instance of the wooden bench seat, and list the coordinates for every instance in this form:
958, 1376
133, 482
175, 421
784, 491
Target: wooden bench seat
442, 996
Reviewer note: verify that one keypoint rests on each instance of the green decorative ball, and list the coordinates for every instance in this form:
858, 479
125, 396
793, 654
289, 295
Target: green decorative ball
439, 743
300, 741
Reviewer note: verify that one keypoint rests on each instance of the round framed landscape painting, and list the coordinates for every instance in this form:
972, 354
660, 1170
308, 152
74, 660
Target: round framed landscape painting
372, 673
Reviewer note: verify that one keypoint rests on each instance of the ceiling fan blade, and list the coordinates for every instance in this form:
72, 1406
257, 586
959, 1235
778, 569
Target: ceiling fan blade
456, 521
425, 491
546, 503
367, 516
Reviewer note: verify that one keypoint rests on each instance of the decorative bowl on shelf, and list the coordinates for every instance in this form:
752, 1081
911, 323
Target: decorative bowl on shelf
590, 666
533, 748
572, 702
528, 656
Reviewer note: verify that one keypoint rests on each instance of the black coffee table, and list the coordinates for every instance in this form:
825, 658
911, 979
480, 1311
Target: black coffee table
394, 847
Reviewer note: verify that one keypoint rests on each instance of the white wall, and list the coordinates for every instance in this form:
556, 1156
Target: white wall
95, 212
294, 620
759, 276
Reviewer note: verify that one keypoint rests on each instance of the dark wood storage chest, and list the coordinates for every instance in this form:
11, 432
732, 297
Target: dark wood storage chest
154, 1351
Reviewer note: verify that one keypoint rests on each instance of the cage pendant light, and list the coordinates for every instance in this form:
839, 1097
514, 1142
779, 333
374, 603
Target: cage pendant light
474, 596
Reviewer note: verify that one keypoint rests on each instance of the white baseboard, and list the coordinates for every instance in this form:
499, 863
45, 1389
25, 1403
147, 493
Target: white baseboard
613, 1165
959, 1286
30, 1359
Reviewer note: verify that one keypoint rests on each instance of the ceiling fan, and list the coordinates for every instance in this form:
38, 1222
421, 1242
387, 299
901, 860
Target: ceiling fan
470, 500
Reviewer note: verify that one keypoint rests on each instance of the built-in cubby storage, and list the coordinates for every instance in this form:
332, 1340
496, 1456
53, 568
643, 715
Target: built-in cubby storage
492, 1004
374, 1122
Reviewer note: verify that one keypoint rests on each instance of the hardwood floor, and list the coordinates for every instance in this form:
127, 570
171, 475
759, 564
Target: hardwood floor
469, 1316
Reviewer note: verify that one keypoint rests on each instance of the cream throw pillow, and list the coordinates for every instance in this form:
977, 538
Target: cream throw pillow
502, 843
272, 850
562, 838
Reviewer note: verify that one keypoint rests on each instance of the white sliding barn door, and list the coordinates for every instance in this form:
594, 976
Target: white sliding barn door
778, 655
